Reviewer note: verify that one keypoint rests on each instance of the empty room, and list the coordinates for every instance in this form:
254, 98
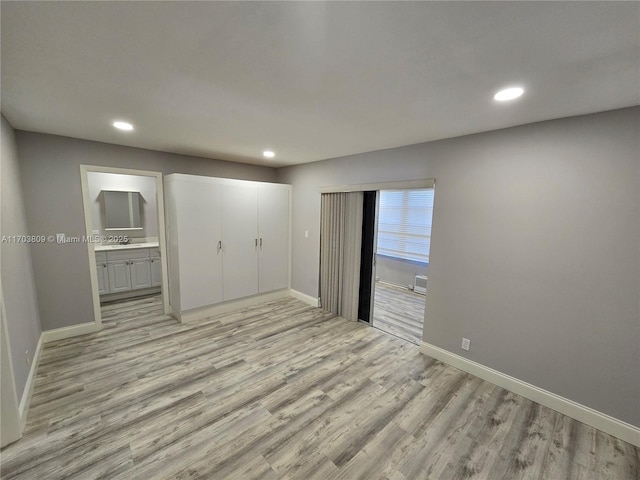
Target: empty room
328, 240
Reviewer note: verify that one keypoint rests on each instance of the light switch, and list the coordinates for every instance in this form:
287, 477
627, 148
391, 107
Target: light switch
306, 234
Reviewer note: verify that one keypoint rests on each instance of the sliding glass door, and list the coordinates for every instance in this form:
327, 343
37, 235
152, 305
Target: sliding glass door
402, 239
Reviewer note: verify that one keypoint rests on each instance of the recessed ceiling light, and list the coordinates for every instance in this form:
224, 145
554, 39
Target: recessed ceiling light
268, 154
123, 126
508, 94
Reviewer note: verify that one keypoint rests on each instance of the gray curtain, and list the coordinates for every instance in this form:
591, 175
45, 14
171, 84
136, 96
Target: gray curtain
340, 243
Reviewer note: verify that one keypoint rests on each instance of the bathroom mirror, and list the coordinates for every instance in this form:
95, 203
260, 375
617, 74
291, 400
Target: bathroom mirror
122, 210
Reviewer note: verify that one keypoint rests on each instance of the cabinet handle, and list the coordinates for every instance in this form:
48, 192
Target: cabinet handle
219, 245
260, 243
104, 265
256, 242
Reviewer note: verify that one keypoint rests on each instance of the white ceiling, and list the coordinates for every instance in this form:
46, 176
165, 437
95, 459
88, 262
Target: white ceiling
310, 80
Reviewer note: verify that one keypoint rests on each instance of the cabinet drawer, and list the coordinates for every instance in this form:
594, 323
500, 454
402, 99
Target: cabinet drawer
101, 257
128, 254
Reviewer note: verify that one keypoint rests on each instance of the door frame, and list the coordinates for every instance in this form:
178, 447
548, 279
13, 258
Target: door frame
374, 273
88, 221
394, 185
10, 414
365, 187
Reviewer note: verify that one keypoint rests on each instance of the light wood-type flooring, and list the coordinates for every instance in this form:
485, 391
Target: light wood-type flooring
398, 311
284, 391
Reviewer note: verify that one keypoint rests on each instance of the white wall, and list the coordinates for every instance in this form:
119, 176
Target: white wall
98, 181
399, 271
535, 252
18, 285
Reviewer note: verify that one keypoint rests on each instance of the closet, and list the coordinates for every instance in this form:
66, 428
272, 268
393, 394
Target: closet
227, 239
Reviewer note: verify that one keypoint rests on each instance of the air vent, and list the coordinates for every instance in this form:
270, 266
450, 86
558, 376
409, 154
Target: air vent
420, 285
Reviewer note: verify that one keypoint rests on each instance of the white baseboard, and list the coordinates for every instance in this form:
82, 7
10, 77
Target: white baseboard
622, 430
304, 297
394, 284
68, 332
206, 312
25, 401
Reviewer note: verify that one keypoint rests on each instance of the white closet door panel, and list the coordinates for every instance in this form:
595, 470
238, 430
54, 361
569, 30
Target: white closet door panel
240, 230
273, 224
199, 228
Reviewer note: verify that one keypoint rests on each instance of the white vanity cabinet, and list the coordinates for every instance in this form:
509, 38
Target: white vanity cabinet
140, 269
128, 269
156, 267
103, 273
227, 239
119, 276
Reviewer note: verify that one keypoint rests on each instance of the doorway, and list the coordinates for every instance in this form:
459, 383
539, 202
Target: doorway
396, 239
367, 281
124, 219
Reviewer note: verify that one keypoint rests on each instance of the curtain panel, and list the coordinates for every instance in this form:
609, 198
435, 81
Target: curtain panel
340, 244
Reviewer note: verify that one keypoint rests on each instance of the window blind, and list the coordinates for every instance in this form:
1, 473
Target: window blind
404, 223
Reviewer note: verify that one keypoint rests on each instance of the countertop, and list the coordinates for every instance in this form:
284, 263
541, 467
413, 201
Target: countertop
130, 246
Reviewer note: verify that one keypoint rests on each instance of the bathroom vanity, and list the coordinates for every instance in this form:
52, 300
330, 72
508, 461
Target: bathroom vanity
128, 270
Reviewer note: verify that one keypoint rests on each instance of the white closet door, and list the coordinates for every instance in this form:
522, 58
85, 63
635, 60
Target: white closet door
240, 228
273, 223
199, 228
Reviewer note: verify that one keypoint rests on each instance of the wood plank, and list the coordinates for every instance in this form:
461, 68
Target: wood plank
398, 311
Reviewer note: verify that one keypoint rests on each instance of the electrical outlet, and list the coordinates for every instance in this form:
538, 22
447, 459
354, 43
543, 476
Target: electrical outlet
466, 343
26, 357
